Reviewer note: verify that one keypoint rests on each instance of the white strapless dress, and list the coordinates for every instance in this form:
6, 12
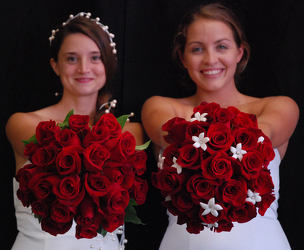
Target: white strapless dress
31, 236
261, 233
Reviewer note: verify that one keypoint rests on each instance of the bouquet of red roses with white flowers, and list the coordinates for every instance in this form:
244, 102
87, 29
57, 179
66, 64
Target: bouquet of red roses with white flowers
82, 173
214, 171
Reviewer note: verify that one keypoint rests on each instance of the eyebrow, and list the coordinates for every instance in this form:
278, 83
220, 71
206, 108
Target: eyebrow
218, 41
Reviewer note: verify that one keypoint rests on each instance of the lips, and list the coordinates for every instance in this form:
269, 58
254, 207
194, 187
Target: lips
84, 79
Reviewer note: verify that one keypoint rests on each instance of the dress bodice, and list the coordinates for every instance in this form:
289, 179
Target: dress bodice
31, 236
261, 233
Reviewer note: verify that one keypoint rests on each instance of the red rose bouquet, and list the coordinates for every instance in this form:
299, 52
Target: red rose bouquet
81, 173
214, 171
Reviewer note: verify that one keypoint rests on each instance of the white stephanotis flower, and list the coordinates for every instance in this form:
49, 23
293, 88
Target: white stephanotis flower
160, 162
200, 141
177, 166
211, 207
168, 198
199, 117
215, 224
253, 197
261, 139
237, 151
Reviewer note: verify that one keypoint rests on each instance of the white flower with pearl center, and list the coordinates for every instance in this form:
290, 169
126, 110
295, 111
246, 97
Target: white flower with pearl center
200, 141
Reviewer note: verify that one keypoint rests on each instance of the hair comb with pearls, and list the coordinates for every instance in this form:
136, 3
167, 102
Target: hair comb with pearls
96, 20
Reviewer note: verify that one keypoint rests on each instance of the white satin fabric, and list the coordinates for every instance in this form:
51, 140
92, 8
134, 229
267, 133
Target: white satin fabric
261, 233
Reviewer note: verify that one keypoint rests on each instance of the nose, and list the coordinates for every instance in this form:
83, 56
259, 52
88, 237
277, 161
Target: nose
210, 57
83, 66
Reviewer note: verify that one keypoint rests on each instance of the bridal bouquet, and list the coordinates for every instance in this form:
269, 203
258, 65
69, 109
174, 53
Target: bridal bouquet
81, 173
214, 171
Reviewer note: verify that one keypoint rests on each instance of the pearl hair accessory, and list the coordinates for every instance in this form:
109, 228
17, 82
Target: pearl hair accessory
97, 19
112, 104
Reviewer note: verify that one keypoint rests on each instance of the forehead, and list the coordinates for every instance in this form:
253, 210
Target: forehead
78, 42
208, 28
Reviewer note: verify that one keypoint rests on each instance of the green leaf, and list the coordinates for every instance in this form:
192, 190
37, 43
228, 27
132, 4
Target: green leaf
32, 139
65, 123
144, 146
39, 217
101, 231
132, 202
131, 215
122, 120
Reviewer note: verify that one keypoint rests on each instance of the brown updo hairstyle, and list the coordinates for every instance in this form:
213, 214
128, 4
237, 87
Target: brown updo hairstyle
100, 37
217, 12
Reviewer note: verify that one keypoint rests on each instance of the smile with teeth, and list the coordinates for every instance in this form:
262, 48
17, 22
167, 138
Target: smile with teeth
211, 72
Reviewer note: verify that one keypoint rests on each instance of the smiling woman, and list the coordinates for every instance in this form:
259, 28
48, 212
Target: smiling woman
83, 56
212, 51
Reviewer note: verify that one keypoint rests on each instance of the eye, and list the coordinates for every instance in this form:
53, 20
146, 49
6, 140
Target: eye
222, 47
96, 58
197, 49
72, 59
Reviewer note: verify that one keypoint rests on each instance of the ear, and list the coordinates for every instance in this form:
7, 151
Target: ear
181, 58
241, 52
54, 66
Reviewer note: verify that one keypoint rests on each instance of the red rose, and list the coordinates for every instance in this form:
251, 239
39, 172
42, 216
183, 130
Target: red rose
112, 222
98, 134
243, 213
86, 231
168, 180
251, 164
69, 190
248, 137
218, 167
265, 148
176, 130
138, 160
88, 212
169, 153
263, 205
94, 157
68, 161
233, 191
194, 226
189, 157
263, 184
195, 128
200, 188
61, 213
223, 225
111, 123
55, 228
115, 201
222, 115
220, 138
120, 174
183, 202
96, 184
45, 132
30, 149
67, 137
124, 147
44, 156
245, 120
139, 190
79, 124
27, 198
42, 184
40, 208
208, 108
25, 174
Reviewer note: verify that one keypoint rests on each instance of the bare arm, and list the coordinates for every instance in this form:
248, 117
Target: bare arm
136, 130
20, 126
278, 120
155, 112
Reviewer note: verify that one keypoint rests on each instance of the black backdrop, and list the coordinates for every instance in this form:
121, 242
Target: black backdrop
144, 35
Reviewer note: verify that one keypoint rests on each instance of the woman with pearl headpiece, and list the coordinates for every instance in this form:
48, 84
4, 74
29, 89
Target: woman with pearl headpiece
84, 57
